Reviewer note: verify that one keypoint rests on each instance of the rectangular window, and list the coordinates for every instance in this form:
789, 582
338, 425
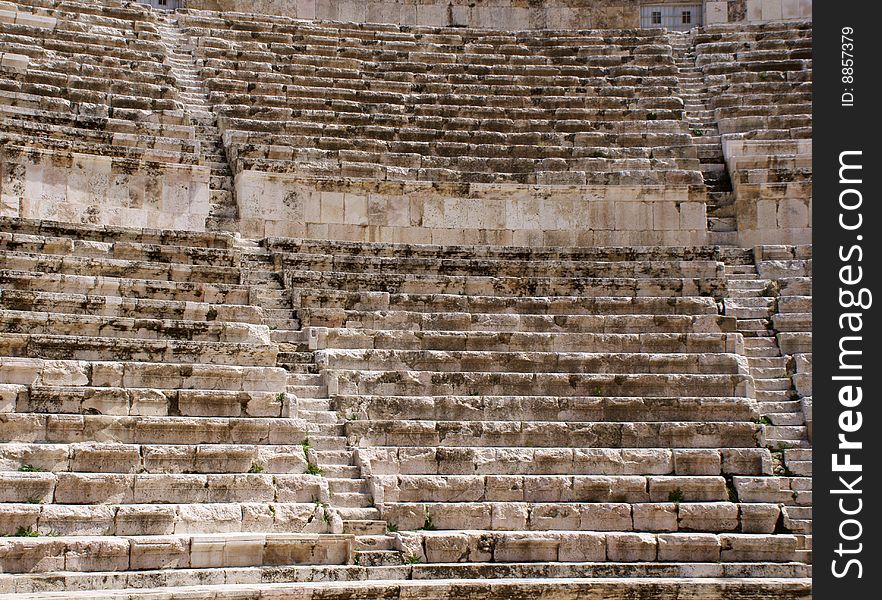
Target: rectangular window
656, 17
687, 17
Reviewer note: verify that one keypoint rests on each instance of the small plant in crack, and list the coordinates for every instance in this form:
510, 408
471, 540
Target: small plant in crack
412, 559
256, 468
676, 496
313, 469
428, 523
31, 469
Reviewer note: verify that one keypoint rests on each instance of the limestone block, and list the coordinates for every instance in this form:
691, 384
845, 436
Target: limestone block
689, 547
692, 489
105, 458
28, 555
77, 520
771, 10
149, 519
37, 488
159, 552
579, 547
631, 547
8, 396
50, 457
605, 517
169, 459
655, 516
716, 12
746, 461
697, 462
169, 488
300, 488
509, 516
744, 547
103, 554
303, 549
281, 459
759, 518
14, 516
15, 62
64, 373
710, 516
609, 489
93, 488
208, 518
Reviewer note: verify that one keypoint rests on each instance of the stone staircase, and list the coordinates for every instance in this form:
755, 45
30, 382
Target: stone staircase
754, 301
194, 95
721, 222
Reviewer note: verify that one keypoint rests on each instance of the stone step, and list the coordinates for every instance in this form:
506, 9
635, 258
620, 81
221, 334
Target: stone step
749, 580
365, 527
378, 558
379, 541
100, 553
785, 419
358, 514
326, 442
351, 500
313, 416
768, 372
340, 471
774, 395
455, 434
346, 486
316, 404
434, 383
544, 408
785, 432
308, 391
779, 384
334, 457
159, 519
496, 361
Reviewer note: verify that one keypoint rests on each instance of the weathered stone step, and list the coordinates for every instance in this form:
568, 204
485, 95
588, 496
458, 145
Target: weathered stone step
752, 581
67, 429
313, 416
340, 471
594, 513
160, 519
764, 396
351, 500
100, 553
346, 485
378, 558
533, 362
94, 348
421, 383
607, 467
545, 408
768, 372
434, 302
786, 418
547, 434
73, 265
368, 328
779, 385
